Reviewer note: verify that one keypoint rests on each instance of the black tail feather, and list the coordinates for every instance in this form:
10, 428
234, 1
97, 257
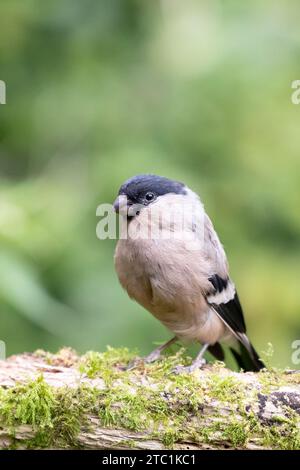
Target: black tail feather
248, 360
217, 351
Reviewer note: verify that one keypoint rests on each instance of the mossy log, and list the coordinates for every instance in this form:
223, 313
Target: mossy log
94, 402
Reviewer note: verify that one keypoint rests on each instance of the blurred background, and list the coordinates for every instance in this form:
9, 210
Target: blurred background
100, 90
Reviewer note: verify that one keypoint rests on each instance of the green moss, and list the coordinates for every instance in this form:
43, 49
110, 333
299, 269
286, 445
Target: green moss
236, 432
226, 389
285, 436
107, 365
32, 403
271, 379
170, 436
147, 398
70, 415
136, 409
54, 414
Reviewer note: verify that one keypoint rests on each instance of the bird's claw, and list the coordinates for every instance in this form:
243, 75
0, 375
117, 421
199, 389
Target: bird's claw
152, 357
189, 369
133, 364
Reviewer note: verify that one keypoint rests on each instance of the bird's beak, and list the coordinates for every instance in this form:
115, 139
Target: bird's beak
125, 207
121, 204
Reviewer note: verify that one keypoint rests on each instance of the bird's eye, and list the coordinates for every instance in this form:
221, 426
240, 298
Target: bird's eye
149, 196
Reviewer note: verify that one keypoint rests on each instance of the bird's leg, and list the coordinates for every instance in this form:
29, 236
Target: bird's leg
196, 364
154, 355
200, 361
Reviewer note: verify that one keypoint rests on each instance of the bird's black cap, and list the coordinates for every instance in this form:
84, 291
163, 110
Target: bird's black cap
138, 186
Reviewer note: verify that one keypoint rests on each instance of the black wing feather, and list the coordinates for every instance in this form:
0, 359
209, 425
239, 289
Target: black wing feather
231, 313
218, 282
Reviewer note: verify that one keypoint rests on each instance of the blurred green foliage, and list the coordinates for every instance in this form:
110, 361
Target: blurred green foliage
100, 90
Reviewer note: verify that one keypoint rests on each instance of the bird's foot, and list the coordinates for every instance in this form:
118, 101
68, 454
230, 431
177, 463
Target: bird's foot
152, 357
189, 369
133, 364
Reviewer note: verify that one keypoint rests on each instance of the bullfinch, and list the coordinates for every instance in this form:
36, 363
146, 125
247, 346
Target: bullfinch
170, 260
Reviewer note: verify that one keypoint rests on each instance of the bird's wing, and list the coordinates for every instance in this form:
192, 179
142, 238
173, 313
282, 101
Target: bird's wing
221, 294
225, 302
222, 297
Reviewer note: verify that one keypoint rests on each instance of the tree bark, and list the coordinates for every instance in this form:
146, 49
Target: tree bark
276, 405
